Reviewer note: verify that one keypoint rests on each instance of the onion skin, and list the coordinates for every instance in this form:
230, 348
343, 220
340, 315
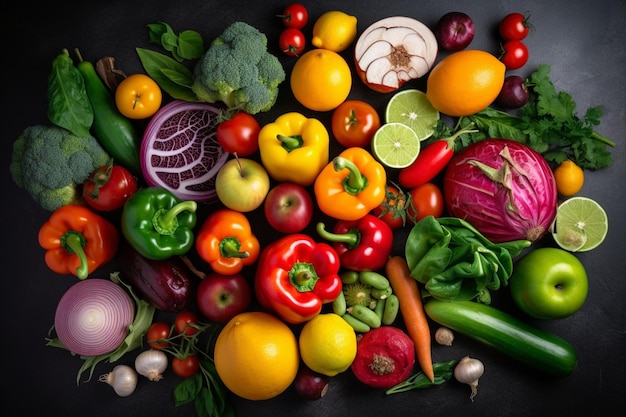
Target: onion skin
166, 284
93, 317
523, 209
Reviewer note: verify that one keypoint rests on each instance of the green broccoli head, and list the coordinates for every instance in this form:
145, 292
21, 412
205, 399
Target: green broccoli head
51, 163
238, 70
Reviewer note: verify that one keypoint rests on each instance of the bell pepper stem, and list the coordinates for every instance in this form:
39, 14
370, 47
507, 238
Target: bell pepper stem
351, 239
290, 142
74, 242
302, 276
229, 248
354, 182
165, 221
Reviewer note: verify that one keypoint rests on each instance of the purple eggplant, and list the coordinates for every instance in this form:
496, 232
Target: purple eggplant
167, 284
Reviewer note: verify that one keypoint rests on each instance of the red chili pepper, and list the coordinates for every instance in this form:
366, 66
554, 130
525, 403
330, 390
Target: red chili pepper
295, 276
363, 244
430, 161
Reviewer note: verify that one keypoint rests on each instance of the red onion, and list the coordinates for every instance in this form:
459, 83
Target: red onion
93, 317
504, 188
180, 152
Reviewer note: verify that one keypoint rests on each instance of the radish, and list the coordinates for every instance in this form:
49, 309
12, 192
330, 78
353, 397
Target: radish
393, 51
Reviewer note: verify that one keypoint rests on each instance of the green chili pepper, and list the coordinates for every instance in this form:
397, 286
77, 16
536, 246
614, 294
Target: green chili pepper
158, 224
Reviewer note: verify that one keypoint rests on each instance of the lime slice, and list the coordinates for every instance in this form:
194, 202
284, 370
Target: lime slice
395, 145
412, 108
581, 224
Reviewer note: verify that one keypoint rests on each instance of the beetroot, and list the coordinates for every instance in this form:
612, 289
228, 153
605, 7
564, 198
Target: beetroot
385, 357
503, 188
180, 152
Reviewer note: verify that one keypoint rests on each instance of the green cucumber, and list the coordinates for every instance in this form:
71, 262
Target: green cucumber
519, 340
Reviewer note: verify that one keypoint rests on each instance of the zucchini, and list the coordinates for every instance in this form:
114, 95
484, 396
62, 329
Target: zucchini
519, 340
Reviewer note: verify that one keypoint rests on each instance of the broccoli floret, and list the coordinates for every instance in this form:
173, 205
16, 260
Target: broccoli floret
238, 70
51, 163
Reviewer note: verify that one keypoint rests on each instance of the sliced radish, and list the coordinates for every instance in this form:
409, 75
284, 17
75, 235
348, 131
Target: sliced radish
393, 51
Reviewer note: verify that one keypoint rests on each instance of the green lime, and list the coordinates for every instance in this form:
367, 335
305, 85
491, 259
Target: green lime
581, 224
413, 108
395, 145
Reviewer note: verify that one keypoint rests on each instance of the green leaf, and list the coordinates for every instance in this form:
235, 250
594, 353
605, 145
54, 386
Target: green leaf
173, 77
190, 44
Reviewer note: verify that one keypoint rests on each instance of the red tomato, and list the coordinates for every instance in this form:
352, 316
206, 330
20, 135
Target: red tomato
186, 367
354, 122
158, 330
392, 210
107, 188
514, 27
514, 55
295, 15
239, 134
427, 200
183, 320
291, 41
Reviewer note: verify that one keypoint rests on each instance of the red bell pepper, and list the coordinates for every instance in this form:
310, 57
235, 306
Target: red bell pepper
363, 244
295, 276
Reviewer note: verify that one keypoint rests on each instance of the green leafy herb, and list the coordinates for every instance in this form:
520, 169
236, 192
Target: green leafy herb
549, 124
173, 77
68, 104
455, 261
186, 45
443, 373
206, 390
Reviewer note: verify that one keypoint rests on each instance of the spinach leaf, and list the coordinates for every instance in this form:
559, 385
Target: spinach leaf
173, 77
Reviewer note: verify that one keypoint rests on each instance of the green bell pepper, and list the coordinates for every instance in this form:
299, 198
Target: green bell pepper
158, 224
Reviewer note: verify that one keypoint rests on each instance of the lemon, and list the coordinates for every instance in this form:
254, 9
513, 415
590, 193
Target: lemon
395, 145
581, 224
327, 344
334, 30
413, 108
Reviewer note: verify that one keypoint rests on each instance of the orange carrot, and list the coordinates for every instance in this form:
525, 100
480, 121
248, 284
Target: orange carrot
404, 286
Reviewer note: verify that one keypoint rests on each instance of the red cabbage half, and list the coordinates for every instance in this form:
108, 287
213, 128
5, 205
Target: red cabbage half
180, 152
504, 188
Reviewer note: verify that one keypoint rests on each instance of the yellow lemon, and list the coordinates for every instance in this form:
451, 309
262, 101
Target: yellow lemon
256, 356
465, 82
334, 30
321, 79
327, 344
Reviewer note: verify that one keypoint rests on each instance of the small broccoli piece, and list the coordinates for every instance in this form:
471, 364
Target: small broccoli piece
51, 163
238, 70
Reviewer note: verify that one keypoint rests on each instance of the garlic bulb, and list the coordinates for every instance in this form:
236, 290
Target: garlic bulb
151, 364
122, 378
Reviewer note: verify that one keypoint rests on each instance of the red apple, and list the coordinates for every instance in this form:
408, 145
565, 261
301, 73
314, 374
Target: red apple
222, 297
288, 207
454, 31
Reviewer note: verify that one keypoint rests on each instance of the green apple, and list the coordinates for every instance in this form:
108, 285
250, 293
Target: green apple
549, 283
242, 184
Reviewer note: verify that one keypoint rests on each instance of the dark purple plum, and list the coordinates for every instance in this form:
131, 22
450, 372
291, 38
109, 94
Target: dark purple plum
311, 385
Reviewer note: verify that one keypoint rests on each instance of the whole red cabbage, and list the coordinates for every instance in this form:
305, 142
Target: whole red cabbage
504, 188
180, 152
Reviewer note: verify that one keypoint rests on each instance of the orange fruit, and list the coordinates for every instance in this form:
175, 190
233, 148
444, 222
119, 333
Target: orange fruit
465, 82
256, 356
321, 80
569, 178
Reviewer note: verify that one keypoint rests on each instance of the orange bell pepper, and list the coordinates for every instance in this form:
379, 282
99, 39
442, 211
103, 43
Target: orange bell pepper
77, 240
351, 185
226, 242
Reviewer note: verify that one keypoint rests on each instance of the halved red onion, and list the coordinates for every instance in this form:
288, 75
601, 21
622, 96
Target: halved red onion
93, 317
180, 152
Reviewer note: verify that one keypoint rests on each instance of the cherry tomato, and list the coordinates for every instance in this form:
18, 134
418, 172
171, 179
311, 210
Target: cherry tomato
295, 15
514, 55
292, 41
107, 188
157, 331
354, 122
138, 96
183, 320
239, 134
392, 210
427, 201
514, 27
186, 367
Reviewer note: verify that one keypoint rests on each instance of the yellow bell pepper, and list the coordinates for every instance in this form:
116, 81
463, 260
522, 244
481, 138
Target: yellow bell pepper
294, 148
351, 185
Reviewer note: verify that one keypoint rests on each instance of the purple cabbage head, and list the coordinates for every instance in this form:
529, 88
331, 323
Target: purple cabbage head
504, 188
